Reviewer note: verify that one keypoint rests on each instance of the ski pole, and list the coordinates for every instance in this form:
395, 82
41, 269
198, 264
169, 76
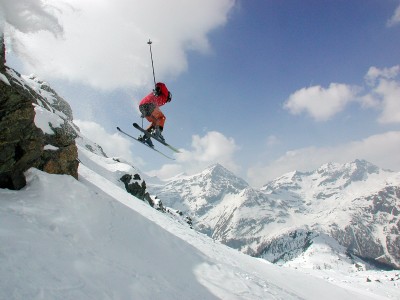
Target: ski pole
152, 64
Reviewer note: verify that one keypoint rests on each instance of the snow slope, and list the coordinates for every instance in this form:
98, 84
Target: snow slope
89, 239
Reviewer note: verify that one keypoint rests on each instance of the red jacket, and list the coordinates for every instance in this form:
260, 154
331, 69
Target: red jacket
157, 100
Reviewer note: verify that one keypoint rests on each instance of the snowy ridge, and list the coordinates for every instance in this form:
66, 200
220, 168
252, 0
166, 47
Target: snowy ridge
202, 191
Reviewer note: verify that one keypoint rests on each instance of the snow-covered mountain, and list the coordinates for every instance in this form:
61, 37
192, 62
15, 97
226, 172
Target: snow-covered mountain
356, 203
199, 193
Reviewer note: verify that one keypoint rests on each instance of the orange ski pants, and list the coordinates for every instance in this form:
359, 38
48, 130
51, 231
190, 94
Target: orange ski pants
156, 118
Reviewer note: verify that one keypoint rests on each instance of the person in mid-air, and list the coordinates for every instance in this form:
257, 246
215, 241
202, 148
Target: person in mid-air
150, 109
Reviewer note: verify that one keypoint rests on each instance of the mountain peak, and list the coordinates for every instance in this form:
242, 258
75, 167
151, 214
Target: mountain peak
361, 163
202, 191
357, 170
219, 172
358, 163
216, 168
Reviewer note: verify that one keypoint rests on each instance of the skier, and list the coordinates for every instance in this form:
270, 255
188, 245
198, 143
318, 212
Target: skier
150, 109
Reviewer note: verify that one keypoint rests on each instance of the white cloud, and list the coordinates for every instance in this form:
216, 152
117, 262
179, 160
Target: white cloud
380, 149
29, 16
395, 19
321, 103
381, 91
212, 148
375, 73
384, 93
105, 43
389, 91
113, 144
167, 171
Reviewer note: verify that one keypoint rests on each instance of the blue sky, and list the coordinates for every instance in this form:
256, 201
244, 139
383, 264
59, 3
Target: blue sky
262, 87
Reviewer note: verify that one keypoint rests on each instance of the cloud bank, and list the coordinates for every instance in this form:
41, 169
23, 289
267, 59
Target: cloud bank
381, 149
384, 93
207, 150
29, 16
114, 145
105, 44
381, 91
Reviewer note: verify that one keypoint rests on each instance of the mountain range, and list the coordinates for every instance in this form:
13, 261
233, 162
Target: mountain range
354, 206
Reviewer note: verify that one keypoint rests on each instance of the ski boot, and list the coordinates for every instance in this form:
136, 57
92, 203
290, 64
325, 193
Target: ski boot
157, 133
146, 140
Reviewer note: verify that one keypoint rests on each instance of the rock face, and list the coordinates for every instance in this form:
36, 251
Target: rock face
2, 53
36, 129
60, 155
21, 142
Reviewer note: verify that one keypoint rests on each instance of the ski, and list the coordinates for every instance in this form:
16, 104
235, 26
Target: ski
153, 137
152, 148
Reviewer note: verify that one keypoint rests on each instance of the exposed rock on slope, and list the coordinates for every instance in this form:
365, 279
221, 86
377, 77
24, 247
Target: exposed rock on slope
36, 130
2, 53
21, 142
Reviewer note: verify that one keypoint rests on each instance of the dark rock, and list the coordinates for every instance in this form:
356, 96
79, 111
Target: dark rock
22, 144
137, 188
286, 247
2, 53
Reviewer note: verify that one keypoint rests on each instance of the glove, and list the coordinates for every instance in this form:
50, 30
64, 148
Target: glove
157, 91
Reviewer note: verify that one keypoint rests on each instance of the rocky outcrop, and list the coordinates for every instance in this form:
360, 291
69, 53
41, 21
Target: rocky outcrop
60, 155
136, 187
23, 144
2, 53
